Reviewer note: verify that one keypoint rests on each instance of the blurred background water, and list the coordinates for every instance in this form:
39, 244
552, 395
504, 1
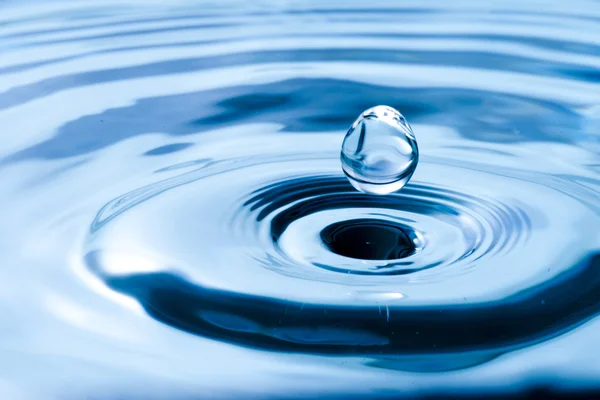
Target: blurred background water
176, 223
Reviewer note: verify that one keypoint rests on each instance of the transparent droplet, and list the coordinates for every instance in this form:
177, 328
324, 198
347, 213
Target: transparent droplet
379, 153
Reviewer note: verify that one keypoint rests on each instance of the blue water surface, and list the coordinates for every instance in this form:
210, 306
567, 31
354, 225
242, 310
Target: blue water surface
176, 224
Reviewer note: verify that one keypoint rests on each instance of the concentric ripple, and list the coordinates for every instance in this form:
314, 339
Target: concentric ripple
432, 219
257, 264
176, 220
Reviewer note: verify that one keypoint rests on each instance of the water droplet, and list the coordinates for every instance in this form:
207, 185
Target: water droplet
379, 153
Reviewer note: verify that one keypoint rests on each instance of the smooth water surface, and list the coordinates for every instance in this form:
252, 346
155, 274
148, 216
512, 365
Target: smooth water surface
176, 222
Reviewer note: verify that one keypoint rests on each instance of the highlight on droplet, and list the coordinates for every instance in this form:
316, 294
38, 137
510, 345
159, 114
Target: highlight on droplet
379, 154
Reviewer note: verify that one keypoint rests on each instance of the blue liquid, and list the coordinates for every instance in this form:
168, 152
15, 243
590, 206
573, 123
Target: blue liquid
379, 153
176, 224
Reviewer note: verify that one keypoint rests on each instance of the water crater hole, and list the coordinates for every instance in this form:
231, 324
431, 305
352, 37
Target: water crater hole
369, 239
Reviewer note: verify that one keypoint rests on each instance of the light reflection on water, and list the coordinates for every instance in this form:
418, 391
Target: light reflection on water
170, 172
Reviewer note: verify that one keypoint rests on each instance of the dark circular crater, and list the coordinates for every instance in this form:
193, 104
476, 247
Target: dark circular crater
369, 239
